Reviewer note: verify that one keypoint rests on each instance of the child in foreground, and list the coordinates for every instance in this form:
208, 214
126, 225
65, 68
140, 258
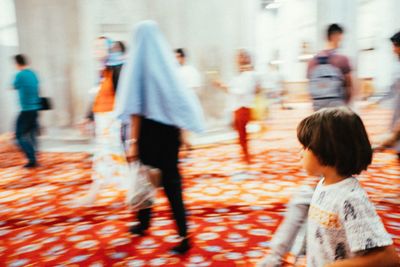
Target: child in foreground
343, 228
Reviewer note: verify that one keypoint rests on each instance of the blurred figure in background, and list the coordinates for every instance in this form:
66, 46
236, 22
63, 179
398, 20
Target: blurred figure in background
27, 84
106, 53
394, 139
192, 80
273, 83
244, 88
189, 74
154, 98
329, 74
109, 162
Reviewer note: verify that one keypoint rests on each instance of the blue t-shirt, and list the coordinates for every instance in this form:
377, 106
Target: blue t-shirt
27, 84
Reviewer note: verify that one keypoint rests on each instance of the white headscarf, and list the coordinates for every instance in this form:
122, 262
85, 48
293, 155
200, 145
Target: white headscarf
150, 86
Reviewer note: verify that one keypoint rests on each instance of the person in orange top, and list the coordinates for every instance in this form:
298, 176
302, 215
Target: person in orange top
109, 162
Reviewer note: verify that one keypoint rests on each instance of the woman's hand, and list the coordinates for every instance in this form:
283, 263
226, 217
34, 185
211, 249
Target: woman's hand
132, 153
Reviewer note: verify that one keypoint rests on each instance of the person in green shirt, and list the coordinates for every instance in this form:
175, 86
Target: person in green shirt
27, 85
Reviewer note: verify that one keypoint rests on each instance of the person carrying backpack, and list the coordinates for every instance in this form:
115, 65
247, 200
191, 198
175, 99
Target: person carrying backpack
329, 73
330, 86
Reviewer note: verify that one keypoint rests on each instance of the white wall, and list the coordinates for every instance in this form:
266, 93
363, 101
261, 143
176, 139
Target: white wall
58, 37
377, 22
9, 104
280, 34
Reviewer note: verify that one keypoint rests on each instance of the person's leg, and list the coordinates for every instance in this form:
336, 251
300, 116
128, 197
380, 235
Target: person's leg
35, 131
143, 216
242, 118
90, 196
31, 135
173, 189
25, 124
148, 155
284, 237
172, 183
33, 139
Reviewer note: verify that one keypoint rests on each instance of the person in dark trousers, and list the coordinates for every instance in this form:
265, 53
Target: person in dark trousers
151, 94
27, 84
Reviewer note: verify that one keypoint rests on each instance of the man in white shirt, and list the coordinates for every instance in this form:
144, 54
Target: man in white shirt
191, 79
189, 74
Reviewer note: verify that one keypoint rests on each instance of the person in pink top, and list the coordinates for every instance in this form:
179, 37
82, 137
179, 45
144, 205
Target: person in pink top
329, 73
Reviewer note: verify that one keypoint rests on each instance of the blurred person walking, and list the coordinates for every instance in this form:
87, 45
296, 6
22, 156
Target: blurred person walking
329, 73
189, 74
192, 80
394, 140
243, 88
154, 98
110, 167
26, 83
273, 83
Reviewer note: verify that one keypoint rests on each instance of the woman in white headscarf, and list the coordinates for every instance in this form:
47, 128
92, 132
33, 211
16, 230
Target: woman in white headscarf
153, 98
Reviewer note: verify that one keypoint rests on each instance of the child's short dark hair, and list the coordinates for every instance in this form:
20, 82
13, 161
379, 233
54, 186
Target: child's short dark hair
333, 29
338, 138
21, 60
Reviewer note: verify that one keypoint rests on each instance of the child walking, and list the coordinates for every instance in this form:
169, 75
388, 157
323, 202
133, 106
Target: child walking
343, 228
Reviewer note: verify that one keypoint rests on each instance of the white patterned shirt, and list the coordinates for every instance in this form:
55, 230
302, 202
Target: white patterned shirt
341, 223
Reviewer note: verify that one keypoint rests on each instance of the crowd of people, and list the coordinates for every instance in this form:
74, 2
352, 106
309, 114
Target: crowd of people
146, 106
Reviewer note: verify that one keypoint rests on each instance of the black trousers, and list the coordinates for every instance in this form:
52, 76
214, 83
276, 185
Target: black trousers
158, 146
26, 130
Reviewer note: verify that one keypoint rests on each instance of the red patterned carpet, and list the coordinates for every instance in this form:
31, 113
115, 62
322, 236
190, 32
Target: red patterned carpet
233, 209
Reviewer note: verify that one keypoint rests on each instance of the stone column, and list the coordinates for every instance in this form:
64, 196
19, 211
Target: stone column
56, 37
9, 105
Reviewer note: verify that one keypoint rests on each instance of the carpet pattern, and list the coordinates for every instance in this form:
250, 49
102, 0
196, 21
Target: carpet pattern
233, 209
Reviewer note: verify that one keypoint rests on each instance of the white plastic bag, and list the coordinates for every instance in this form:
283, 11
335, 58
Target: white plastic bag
142, 185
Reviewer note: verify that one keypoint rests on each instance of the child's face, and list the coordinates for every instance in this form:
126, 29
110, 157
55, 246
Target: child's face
311, 163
